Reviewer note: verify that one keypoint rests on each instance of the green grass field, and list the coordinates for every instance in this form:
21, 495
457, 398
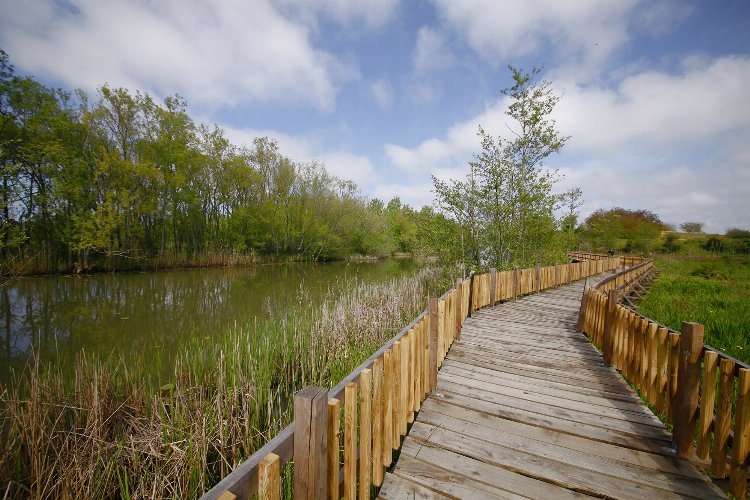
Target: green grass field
713, 291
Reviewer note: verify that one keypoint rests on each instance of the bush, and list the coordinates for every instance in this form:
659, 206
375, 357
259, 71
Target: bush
737, 233
742, 246
714, 244
671, 244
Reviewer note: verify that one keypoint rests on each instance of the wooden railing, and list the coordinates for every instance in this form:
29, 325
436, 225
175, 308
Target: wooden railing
625, 260
677, 374
337, 455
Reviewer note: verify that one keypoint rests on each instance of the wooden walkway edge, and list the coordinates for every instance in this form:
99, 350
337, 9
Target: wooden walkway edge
526, 408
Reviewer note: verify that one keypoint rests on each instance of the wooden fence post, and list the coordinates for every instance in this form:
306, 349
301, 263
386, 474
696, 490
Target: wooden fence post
471, 293
584, 304
433, 311
334, 431
310, 443
723, 419
515, 283
365, 433
557, 276
493, 285
741, 442
459, 302
269, 478
708, 398
538, 277
609, 327
350, 442
688, 385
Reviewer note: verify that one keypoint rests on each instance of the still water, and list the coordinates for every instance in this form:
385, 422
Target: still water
156, 312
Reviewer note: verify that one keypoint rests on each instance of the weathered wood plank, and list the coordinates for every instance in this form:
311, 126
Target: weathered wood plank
562, 397
497, 478
574, 442
447, 384
648, 477
559, 473
525, 406
448, 482
397, 488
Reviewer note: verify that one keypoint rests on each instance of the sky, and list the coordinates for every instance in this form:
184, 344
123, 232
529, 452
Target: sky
388, 93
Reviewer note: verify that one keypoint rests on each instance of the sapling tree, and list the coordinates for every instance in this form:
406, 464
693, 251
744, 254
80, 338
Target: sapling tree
507, 204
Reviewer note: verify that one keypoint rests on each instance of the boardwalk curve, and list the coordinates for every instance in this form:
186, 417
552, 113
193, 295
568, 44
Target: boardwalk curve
525, 407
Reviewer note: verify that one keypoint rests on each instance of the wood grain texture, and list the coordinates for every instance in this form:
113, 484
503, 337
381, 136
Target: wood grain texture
334, 443
350, 441
708, 399
377, 422
741, 442
723, 419
688, 386
269, 478
365, 434
524, 406
310, 442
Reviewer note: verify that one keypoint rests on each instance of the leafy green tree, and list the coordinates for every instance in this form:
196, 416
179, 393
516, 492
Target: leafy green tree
506, 206
671, 245
605, 229
692, 227
115, 179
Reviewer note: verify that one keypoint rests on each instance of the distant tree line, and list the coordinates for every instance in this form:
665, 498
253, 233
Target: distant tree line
117, 179
643, 232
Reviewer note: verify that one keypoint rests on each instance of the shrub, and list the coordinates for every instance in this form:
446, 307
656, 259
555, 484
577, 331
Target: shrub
714, 244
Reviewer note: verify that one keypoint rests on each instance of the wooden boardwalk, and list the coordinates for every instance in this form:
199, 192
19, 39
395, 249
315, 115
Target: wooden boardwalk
525, 407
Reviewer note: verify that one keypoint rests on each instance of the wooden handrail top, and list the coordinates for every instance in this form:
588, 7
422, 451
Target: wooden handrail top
617, 275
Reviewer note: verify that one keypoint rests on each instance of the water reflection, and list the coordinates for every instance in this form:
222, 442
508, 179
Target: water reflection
122, 314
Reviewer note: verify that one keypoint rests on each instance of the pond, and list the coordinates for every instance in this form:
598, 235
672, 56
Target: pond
154, 313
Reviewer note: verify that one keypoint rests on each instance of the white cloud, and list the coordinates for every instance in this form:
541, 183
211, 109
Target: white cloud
372, 14
218, 53
382, 91
672, 143
699, 105
431, 51
307, 148
351, 167
456, 148
416, 195
591, 29
675, 192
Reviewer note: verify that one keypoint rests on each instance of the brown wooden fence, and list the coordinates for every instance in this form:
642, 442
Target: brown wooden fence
343, 439
696, 388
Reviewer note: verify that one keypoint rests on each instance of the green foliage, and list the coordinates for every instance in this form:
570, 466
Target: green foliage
712, 291
607, 229
503, 214
737, 233
118, 180
692, 227
671, 245
714, 245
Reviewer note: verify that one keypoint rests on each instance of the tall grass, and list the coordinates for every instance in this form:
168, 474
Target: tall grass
112, 430
714, 291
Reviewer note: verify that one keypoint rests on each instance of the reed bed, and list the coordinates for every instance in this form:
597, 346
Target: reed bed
114, 430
